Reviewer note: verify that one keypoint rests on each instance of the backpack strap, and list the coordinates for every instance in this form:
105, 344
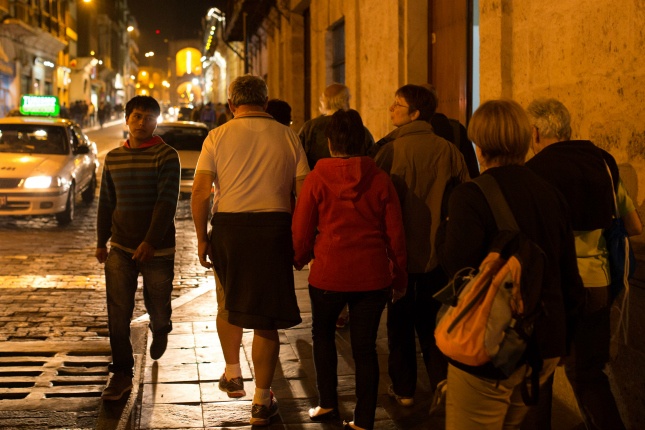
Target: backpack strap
498, 204
506, 221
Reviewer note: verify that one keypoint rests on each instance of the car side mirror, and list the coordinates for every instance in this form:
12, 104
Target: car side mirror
82, 149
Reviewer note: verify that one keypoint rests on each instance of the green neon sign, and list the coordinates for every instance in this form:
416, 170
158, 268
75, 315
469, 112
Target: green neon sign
39, 105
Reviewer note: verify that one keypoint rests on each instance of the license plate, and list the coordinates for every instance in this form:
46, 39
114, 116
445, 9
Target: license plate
3, 201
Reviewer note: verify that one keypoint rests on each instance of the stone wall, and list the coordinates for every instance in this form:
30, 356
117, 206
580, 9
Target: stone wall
588, 55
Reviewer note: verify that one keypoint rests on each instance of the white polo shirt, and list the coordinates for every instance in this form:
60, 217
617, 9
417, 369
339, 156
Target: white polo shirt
254, 161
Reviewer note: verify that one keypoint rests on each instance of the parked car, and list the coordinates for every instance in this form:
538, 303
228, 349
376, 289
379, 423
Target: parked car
45, 164
187, 138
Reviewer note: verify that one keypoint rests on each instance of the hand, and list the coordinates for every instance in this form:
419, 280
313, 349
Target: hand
205, 254
398, 294
143, 253
101, 255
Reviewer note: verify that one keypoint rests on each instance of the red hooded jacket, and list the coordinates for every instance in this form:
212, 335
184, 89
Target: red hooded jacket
348, 216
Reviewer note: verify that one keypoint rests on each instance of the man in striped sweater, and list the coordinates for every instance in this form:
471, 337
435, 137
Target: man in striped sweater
136, 213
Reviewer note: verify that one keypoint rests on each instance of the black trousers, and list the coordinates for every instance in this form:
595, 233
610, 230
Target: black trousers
415, 313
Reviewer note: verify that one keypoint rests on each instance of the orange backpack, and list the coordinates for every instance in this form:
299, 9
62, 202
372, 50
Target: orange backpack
484, 318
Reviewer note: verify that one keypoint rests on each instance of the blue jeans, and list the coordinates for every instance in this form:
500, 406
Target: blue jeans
416, 311
121, 274
365, 309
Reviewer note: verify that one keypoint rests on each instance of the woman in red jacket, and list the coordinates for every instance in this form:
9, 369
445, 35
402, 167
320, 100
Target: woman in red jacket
348, 215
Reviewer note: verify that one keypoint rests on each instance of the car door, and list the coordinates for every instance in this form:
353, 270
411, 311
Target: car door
83, 166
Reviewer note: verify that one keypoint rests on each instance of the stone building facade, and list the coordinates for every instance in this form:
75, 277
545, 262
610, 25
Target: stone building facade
587, 54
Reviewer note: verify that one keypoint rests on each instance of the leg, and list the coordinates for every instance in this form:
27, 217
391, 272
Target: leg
584, 367
539, 416
230, 337
517, 410
426, 309
402, 360
325, 306
158, 276
475, 403
366, 309
266, 349
121, 276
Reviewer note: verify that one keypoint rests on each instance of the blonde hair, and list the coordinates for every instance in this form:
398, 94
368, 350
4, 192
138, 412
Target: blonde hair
502, 131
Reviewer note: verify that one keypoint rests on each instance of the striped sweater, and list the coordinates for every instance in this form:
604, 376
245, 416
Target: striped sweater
138, 198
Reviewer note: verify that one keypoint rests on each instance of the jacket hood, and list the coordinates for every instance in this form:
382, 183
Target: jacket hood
346, 177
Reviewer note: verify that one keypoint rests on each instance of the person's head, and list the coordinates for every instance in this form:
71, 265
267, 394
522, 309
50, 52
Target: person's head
144, 103
280, 110
412, 103
335, 97
141, 114
551, 122
501, 131
346, 133
248, 90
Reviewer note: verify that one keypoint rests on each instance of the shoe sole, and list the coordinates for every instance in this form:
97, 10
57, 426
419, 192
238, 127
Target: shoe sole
116, 397
233, 394
263, 421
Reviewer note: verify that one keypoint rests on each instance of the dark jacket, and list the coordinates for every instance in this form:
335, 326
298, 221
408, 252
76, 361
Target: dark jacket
313, 139
541, 214
577, 169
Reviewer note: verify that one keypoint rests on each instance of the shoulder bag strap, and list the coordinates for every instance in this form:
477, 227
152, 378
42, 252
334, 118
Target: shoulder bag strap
498, 204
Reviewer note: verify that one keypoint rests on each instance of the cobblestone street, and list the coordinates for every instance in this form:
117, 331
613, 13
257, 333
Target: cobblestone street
54, 289
52, 295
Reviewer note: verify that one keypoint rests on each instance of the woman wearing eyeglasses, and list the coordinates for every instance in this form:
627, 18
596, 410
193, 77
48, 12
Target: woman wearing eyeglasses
421, 165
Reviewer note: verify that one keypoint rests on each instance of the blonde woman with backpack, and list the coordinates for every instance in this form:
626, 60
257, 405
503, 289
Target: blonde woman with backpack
481, 397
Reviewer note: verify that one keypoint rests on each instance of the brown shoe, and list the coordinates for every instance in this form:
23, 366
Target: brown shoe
120, 383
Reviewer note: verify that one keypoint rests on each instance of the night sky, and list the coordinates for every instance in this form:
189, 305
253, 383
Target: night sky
175, 19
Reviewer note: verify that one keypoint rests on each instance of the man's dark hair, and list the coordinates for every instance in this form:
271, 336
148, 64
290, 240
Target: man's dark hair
346, 132
144, 103
280, 110
420, 99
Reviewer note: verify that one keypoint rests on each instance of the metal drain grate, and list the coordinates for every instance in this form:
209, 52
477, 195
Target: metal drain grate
52, 375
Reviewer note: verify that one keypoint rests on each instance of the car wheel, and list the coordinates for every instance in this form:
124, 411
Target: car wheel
90, 192
67, 216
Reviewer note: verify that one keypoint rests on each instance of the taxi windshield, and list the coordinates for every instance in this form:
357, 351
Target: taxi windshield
183, 138
33, 139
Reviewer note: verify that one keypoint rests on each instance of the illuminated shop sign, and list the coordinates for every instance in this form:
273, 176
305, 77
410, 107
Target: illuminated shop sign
39, 105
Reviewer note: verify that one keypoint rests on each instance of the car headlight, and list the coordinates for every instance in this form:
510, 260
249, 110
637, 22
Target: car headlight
42, 182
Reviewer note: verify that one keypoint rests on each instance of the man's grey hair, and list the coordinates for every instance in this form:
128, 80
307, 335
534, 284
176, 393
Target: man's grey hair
248, 90
551, 118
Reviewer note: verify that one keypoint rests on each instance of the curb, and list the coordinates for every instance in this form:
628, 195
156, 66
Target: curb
123, 419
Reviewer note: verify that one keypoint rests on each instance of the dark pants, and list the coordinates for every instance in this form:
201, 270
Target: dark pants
416, 311
366, 309
121, 279
584, 370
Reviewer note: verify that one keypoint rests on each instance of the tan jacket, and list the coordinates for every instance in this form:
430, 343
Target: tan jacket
421, 164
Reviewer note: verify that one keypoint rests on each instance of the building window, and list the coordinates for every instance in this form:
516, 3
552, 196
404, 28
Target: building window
338, 52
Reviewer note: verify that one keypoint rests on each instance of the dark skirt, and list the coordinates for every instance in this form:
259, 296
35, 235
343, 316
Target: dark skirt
253, 258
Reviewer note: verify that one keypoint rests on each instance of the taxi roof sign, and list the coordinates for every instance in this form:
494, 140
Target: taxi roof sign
36, 105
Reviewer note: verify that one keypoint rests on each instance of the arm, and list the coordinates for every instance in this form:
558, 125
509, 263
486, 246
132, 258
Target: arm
107, 204
163, 215
303, 227
200, 206
633, 223
395, 243
628, 212
464, 239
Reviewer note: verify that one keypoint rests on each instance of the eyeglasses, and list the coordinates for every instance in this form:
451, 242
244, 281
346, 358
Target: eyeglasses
395, 104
